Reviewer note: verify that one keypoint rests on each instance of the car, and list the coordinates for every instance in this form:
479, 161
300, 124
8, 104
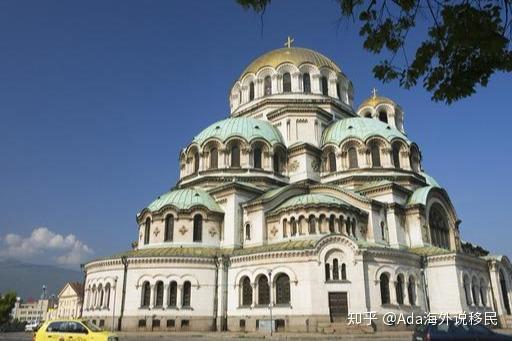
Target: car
75, 330
453, 331
31, 326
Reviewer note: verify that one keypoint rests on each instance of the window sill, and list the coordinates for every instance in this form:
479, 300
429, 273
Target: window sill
337, 281
187, 308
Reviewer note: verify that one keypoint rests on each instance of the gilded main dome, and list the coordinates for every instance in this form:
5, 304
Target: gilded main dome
295, 55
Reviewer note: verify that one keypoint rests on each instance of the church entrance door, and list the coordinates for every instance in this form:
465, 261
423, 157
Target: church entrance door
338, 306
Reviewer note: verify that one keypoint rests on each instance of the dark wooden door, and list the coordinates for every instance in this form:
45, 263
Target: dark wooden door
338, 306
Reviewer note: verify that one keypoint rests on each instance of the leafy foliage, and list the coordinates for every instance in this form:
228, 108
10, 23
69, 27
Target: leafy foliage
6, 304
464, 41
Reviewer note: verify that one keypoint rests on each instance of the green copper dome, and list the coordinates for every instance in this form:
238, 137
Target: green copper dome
361, 128
243, 127
184, 199
312, 199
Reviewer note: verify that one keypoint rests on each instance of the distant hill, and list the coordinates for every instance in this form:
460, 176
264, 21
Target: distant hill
28, 279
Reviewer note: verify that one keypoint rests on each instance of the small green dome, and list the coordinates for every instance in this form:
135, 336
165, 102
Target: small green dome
243, 127
311, 199
184, 199
361, 128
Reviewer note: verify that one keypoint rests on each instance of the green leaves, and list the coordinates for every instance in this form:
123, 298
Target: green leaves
6, 304
465, 41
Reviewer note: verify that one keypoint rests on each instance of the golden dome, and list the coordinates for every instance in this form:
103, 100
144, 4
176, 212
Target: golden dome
375, 100
295, 55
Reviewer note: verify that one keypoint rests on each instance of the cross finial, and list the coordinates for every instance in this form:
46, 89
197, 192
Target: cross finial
374, 92
289, 42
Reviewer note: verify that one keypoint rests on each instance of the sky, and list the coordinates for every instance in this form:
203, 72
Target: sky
98, 97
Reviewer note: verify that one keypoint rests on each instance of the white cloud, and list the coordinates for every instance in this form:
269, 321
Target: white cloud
64, 250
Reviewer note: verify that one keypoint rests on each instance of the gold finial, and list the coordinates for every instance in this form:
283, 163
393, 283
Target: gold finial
374, 93
289, 42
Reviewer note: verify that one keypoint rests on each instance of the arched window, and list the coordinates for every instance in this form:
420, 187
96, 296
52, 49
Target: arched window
396, 155
263, 291
399, 286
169, 228
282, 289
159, 295
347, 226
368, 114
285, 228
267, 84
438, 223
335, 270
414, 159
214, 158
306, 83
246, 291
293, 222
325, 86
340, 224
287, 82
354, 228
257, 157
173, 294
384, 288
198, 228
277, 162
235, 156
352, 158
94, 293
338, 93
383, 231
251, 91
465, 283
474, 293
107, 295
327, 272
146, 294
311, 224
332, 162
375, 153
411, 291
239, 96
186, 294
102, 295
247, 232
147, 229
332, 221
383, 116
483, 298
504, 291
196, 162
343, 271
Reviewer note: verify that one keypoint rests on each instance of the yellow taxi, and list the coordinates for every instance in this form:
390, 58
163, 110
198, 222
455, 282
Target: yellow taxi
75, 330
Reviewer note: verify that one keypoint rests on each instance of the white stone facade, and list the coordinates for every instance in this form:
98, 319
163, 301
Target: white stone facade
328, 204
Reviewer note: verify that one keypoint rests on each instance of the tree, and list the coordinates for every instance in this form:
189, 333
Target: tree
6, 304
465, 41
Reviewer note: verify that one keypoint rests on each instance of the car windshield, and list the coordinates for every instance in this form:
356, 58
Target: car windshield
91, 326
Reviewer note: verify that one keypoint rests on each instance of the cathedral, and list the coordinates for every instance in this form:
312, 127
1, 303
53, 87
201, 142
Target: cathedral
295, 211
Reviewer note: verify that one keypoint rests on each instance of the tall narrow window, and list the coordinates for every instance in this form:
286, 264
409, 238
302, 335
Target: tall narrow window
173, 294
343, 271
159, 297
335, 270
384, 288
474, 293
196, 162
263, 291
352, 158
186, 294
293, 222
107, 295
327, 272
306, 83
102, 294
277, 162
465, 283
147, 229
198, 228
482, 295
235, 156
396, 155
146, 294
439, 232
332, 162
282, 289
399, 286
251, 91
246, 292
332, 221
375, 153
383, 116
287, 82
257, 157
411, 290
338, 93
312, 223
285, 228
267, 85
214, 158
247, 232
169, 228
325, 86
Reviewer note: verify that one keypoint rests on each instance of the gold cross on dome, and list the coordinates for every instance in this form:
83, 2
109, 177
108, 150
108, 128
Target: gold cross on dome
289, 42
374, 92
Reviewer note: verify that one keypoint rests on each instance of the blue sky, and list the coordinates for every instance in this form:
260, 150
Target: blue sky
98, 97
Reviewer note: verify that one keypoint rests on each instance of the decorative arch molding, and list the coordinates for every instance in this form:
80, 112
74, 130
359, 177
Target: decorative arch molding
346, 144
264, 72
101, 280
286, 67
180, 279
440, 196
334, 241
385, 269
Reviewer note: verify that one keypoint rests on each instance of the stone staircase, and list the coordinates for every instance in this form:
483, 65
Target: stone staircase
344, 328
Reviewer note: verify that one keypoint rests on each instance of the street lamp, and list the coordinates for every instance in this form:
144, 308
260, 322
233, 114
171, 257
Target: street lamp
270, 300
114, 305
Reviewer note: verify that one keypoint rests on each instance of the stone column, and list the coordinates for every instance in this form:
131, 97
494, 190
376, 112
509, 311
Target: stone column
253, 295
332, 88
392, 291
152, 296
296, 82
315, 84
179, 298
166, 296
